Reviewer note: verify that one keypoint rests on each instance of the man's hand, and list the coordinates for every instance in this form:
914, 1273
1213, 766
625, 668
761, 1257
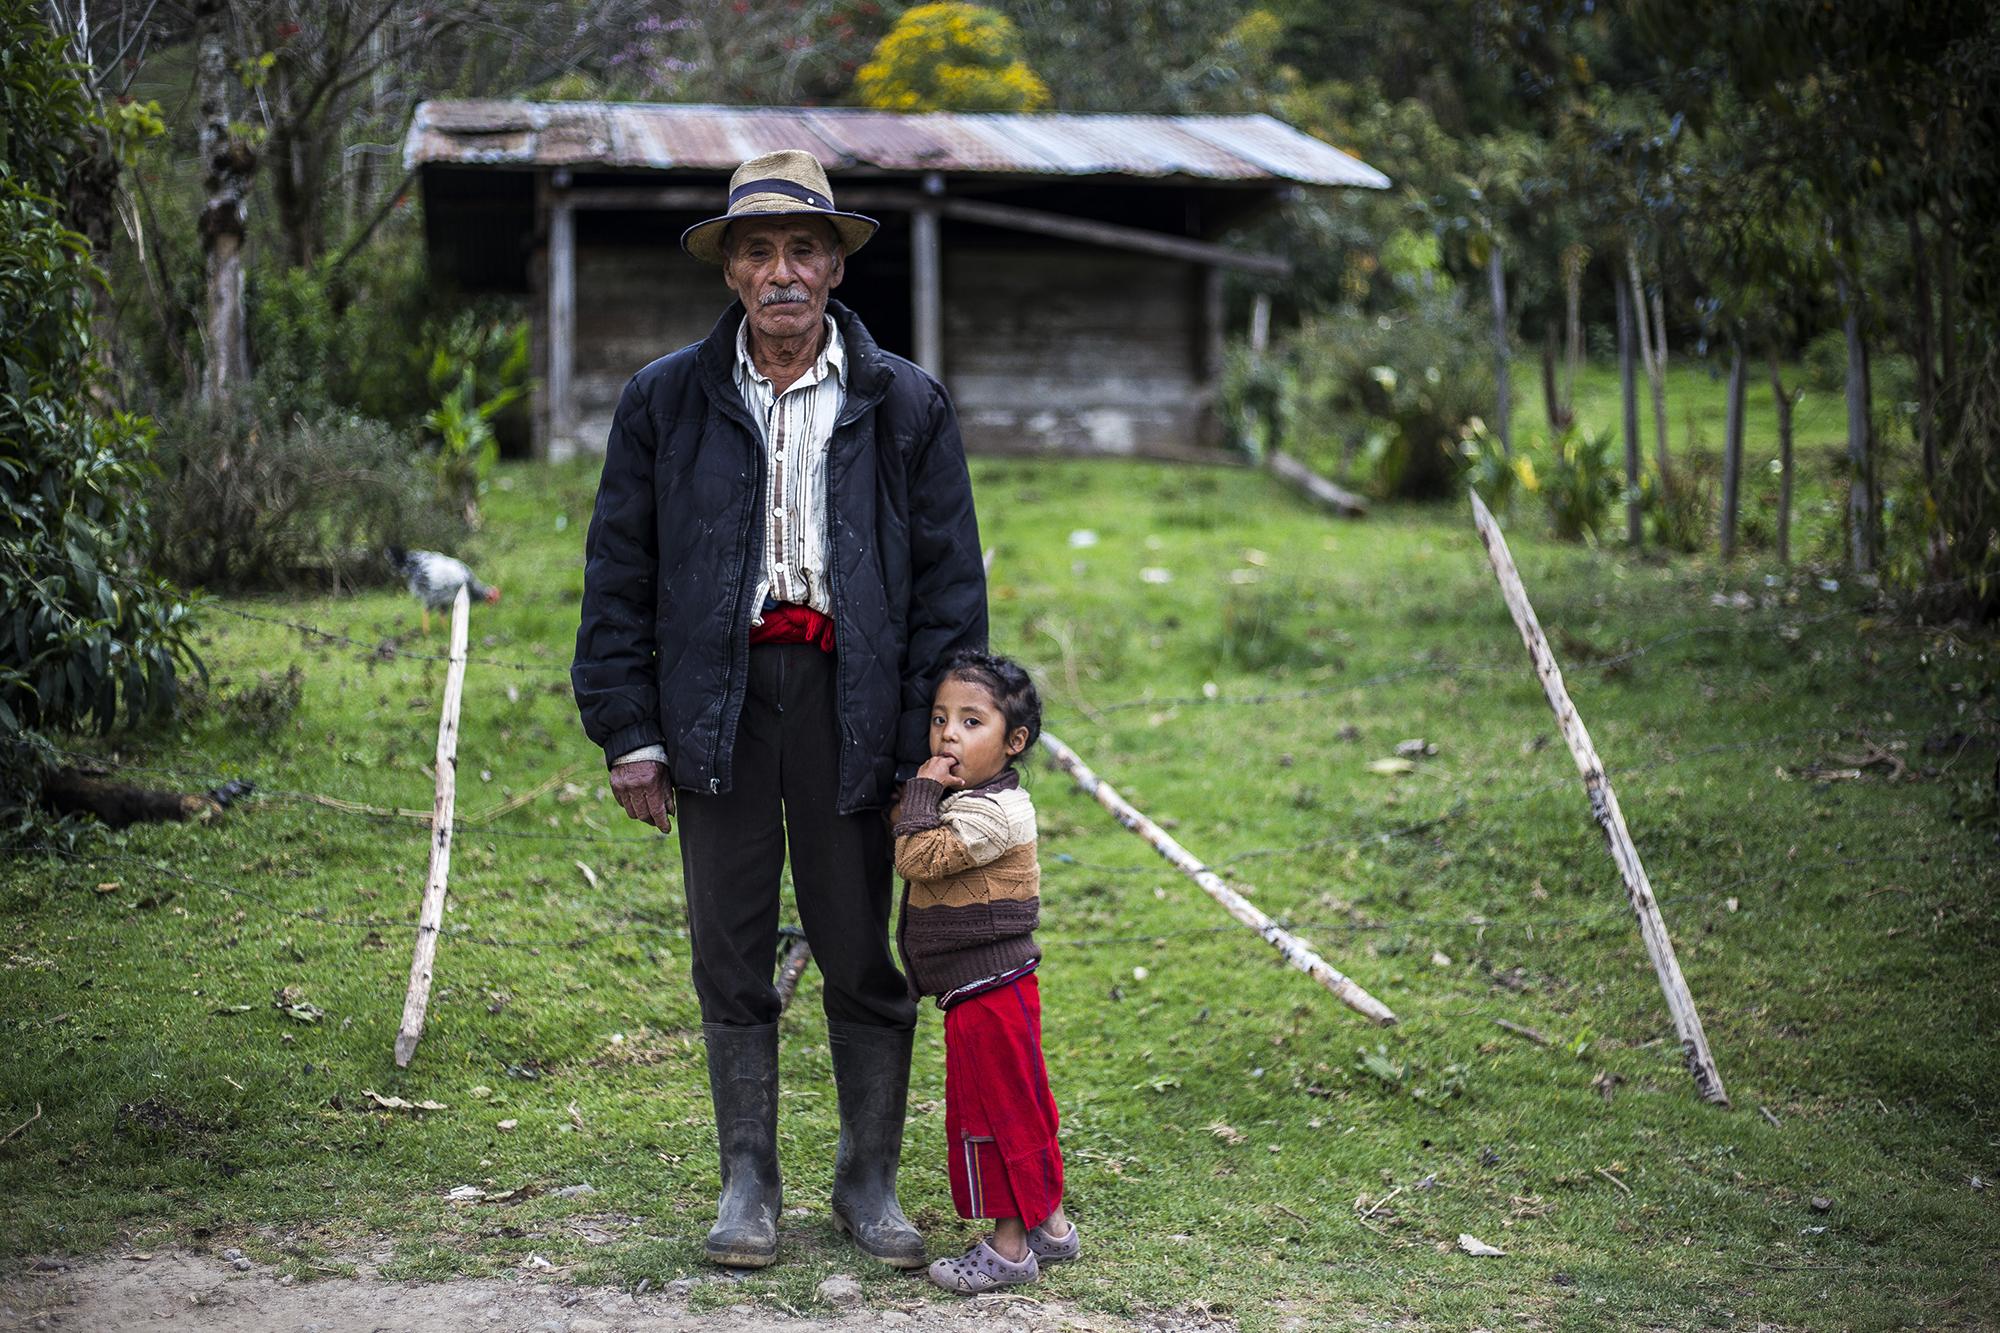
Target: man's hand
941, 769
642, 789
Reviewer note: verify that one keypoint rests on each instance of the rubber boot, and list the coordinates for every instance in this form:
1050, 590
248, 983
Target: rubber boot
871, 1072
743, 1081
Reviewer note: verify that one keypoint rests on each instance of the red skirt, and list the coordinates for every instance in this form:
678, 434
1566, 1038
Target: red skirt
999, 1117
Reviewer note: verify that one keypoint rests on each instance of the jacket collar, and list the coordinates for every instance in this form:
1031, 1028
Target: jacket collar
868, 370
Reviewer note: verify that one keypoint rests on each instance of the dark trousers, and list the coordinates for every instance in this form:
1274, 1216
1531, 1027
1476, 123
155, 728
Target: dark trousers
784, 788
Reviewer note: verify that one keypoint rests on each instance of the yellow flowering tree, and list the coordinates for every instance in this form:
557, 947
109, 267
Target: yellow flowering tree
951, 57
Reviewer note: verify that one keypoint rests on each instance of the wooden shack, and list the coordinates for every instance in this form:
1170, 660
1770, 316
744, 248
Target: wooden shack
1062, 274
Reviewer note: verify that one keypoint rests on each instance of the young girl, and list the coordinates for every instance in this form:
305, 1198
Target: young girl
965, 842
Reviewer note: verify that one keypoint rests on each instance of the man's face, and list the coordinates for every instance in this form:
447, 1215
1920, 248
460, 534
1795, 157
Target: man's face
783, 269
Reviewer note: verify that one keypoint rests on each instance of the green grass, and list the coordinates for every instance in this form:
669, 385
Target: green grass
1219, 1121
1697, 418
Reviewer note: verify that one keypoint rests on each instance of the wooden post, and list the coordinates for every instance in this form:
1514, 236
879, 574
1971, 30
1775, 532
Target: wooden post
927, 280
794, 967
562, 325
1294, 950
430, 918
1604, 808
1213, 332
1260, 323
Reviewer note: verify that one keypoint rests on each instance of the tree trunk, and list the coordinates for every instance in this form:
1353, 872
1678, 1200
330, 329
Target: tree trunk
1732, 450
1573, 258
1629, 392
1860, 453
1660, 322
1950, 392
1655, 362
1920, 351
1783, 398
1553, 408
229, 164
1503, 384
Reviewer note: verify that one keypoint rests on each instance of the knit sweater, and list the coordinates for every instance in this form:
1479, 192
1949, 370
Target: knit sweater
973, 891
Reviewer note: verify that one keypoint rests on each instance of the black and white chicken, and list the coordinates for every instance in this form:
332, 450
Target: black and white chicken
435, 579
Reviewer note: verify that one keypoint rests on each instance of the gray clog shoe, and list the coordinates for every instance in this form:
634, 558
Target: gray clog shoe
1048, 1249
982, 1269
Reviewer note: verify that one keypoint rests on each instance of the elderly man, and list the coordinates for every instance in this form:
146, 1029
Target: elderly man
783, 553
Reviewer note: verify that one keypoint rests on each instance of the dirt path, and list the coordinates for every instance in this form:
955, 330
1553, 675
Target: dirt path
205, 1293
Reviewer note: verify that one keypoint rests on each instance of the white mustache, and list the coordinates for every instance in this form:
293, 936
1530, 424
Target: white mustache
783, 296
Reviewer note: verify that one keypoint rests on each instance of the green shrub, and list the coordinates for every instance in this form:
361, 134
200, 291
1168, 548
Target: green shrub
1488, 469
1680, 508
1395, 392
478, 369
1578, 479
251, 497
83, 630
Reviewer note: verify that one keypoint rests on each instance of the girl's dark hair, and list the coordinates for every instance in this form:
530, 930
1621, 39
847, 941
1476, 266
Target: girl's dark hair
1006, 680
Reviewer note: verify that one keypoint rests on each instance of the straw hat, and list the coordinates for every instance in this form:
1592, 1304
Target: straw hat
787, 183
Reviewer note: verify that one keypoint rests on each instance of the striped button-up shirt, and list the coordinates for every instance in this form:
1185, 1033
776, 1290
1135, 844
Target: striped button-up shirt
796, 426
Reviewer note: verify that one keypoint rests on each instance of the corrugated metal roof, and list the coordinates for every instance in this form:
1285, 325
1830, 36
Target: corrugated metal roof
664, 137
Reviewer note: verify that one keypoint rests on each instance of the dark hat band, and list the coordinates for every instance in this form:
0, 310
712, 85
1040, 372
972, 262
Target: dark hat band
777, 185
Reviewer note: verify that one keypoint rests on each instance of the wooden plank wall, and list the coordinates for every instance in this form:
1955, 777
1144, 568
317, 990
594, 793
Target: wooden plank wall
1047, 348
634, 304
1050, 348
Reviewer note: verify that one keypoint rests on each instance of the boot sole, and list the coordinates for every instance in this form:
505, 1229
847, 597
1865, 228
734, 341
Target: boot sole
740, 1258
841, 1225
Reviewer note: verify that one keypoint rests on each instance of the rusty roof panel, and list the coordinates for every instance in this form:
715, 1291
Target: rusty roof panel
1278, 148
664, 137
933, 142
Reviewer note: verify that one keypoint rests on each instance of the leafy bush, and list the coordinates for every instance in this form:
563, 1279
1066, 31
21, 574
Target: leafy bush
950, 57
1579, 481
478, 369
1398, 392
252, 497
1680, 508
1488, 469
82, 629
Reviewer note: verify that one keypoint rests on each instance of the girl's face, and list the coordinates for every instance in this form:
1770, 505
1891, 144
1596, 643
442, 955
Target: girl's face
968, 727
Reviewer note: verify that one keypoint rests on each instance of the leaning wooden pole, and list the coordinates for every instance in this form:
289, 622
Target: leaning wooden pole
1604, 806
1294, 950
430, 918
796, 957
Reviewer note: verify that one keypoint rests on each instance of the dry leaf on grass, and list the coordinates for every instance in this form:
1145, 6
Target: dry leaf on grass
398, 1104
1227, 1133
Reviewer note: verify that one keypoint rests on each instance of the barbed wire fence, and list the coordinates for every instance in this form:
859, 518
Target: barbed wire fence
324, 807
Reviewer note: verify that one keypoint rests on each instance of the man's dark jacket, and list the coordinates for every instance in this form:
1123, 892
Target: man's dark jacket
677, 543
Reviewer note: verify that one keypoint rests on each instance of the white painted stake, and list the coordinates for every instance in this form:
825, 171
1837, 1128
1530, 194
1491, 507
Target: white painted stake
1294, 950
431, 917
1604, 807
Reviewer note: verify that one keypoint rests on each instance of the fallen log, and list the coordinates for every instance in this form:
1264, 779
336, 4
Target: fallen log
1315, 487
1294, 950
1604, 808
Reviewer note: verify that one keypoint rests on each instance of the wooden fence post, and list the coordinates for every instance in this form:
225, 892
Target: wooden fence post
431, 917
1294, 950
797, 955
1604, 807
